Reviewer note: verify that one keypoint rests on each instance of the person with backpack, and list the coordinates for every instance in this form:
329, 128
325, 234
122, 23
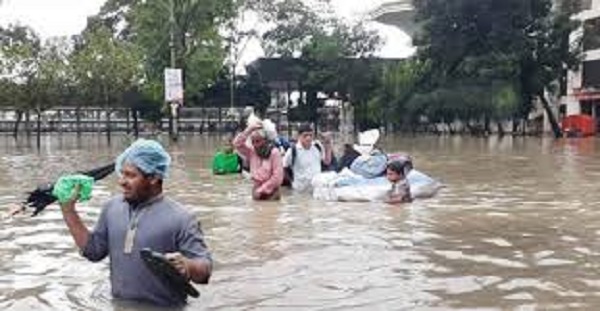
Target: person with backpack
347, 158
307, 158
264, 159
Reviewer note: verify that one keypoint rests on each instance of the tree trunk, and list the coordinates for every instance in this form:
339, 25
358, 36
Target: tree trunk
434, 129
60, 127
107, 103
556, 130
28, 123
500, 129
128, 117
313, 108
289, 103
356, 107
136, 132
171, 121
108, 125
98, 123
17, 123
39, 129
220, 123
469, 128
450, 129
78, 119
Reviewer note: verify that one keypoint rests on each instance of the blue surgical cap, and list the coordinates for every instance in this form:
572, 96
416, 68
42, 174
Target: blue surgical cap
148, 156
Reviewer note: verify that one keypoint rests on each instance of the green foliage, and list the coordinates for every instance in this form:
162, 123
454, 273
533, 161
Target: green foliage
394, 84
199, 47
106, 68
490, 58
322, 44
35, 75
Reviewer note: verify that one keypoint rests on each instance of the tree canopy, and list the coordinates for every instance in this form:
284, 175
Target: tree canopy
509, 51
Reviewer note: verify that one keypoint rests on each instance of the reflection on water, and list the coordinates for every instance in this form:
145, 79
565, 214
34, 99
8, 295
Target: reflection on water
516, 228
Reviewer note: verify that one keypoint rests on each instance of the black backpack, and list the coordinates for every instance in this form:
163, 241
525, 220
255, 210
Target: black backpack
288, 172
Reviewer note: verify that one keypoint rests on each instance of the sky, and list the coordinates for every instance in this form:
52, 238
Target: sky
67, 17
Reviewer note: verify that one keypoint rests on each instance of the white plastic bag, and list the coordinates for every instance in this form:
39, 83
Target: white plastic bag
253, 119
369, 137
270, 129
366, 141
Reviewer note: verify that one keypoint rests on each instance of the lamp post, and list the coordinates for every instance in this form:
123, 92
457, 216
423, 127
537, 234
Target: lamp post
174, 104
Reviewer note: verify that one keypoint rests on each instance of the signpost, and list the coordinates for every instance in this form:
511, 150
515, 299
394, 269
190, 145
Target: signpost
173, 85
174, 96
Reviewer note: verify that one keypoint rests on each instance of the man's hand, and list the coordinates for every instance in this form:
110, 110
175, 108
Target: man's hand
255, 126
258, 195
70, 205
180, 263
326, 138
13, 211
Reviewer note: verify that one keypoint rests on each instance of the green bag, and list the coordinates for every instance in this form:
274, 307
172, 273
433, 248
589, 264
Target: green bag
225, 163
63, 188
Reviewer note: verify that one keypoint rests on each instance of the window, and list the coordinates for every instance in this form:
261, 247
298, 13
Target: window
591, 34
582, 5
591, 74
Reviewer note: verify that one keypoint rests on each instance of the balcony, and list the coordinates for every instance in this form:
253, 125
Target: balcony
399, 13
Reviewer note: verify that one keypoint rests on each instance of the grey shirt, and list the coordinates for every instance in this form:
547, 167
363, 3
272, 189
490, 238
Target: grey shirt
163, 226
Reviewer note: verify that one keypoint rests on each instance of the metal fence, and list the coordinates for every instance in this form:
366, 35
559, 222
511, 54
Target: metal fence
191, 119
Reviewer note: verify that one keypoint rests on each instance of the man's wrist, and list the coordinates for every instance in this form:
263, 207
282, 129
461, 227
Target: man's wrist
67, 208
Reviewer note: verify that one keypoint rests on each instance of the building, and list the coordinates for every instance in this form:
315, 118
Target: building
289, 99
399, 13
583, 89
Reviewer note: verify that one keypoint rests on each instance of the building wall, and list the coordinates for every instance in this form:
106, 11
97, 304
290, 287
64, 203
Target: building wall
575, 78
386, 14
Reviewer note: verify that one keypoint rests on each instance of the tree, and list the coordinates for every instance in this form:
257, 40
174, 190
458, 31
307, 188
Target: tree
197, 43
487, 45
548, 56
387, 99
322, 43
19, 51
106, 68
49, 84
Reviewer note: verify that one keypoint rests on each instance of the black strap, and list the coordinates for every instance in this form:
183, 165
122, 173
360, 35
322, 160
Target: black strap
295, 152
324, 167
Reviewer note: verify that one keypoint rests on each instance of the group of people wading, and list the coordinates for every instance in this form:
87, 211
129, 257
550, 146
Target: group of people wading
272, 165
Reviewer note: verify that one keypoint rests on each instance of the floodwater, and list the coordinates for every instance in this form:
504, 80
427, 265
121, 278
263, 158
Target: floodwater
516, 228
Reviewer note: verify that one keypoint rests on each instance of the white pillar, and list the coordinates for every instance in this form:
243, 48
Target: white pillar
573, 105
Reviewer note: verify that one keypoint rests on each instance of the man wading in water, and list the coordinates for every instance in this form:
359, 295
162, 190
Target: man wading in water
142, 217
264, 159
307, 158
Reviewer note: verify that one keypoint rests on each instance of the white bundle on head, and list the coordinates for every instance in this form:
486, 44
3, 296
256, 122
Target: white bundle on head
269, 129
366, 141
253, 119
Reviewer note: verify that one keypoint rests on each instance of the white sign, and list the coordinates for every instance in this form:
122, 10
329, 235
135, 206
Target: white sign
173, 85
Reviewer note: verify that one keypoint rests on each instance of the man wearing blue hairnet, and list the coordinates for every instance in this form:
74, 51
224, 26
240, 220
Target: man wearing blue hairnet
142, 217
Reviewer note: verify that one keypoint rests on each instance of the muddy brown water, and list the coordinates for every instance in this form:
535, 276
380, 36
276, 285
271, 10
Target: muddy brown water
516, 228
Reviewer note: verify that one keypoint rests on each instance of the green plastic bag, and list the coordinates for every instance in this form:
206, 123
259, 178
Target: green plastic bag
63, 188
225, 163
